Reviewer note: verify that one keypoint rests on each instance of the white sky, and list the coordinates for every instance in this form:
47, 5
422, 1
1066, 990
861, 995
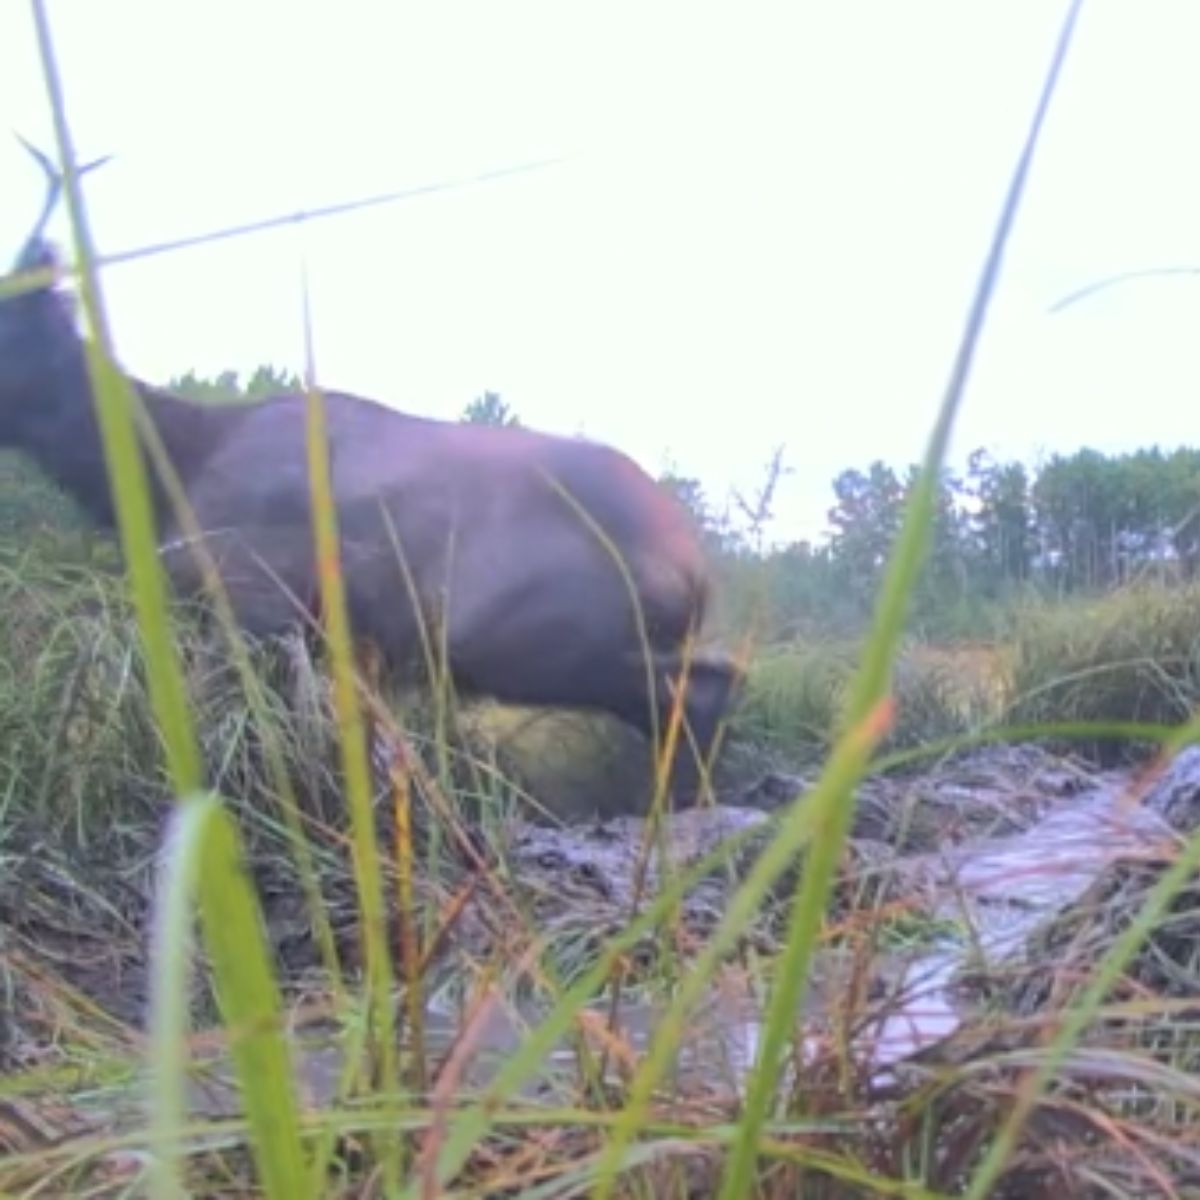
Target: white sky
767, 230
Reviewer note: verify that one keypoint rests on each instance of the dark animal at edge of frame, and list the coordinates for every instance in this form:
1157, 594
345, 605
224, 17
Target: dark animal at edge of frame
503, 530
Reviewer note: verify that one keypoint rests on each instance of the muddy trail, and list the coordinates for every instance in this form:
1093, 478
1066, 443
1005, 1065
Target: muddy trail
980, 853
979, 856
1023, 835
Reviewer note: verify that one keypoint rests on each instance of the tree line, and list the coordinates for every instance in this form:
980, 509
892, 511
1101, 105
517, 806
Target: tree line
1080, 523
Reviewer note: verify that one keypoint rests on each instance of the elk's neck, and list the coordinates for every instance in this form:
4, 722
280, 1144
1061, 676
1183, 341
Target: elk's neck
59, 429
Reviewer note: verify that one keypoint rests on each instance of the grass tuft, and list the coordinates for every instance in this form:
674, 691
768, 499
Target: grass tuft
1130, 655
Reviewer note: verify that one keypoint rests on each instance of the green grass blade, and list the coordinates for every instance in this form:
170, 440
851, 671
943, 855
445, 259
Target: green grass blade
170, 971
203, 863
834, 806
353, 748
21, 282
253, 688
126, 471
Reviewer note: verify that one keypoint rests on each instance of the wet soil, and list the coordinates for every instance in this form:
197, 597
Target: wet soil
986, 849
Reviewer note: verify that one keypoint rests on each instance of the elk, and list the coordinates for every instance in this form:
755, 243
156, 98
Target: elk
488, 521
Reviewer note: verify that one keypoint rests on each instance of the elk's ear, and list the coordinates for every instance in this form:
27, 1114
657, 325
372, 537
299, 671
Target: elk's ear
38, 254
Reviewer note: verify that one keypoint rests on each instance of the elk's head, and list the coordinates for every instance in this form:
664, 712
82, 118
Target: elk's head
37, 321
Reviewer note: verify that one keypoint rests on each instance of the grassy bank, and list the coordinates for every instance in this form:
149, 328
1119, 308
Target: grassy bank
87, 797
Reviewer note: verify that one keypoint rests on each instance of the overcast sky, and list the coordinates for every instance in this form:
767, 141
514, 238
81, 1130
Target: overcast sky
766, 230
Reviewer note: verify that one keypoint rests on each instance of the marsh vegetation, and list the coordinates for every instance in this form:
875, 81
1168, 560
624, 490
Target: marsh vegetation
274, 924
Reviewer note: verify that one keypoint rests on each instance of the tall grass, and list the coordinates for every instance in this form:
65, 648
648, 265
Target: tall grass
425, 1140
1133, 654
868, 715
115, 402
352, 742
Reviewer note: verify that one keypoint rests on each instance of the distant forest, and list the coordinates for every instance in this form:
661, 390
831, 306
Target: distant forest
1081, 523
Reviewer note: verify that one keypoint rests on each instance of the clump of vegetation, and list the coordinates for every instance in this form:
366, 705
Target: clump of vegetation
33, 511
796, 695
82, 750
1132, 654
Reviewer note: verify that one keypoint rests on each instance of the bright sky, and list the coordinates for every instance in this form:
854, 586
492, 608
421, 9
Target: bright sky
767, 229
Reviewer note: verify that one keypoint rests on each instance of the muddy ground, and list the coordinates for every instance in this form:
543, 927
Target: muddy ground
979, 852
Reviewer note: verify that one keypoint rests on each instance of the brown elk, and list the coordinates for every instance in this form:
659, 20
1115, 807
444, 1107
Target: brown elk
536, 609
